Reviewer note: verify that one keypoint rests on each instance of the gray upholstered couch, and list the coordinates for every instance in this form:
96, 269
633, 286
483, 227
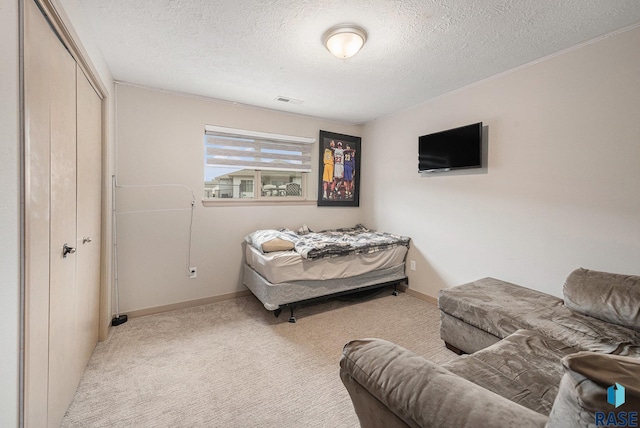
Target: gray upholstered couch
533, 359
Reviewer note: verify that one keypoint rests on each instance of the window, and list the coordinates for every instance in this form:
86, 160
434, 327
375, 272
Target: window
248, 165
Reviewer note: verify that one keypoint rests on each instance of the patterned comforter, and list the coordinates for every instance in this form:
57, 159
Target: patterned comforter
331, 243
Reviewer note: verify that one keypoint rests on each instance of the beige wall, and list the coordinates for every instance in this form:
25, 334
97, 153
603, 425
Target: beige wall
9, 215
160, 141
563, 176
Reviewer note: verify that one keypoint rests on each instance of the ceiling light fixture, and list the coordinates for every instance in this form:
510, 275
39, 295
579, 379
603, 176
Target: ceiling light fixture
345, 40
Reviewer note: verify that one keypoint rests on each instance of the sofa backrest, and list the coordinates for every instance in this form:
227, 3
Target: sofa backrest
606, 296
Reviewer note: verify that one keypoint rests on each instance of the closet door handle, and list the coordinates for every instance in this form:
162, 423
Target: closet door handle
86, 239
66, 250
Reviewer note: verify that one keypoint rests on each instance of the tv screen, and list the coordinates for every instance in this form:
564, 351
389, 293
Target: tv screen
456, 148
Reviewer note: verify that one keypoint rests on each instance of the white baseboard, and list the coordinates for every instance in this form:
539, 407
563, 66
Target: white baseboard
187, 304
229, 296
422, 296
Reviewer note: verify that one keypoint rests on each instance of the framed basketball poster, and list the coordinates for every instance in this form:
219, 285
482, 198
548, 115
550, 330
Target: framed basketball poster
339, 170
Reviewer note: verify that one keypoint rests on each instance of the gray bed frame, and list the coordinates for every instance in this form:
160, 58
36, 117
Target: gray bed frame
276, 297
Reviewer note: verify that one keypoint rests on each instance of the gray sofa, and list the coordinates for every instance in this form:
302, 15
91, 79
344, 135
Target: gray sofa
531, 359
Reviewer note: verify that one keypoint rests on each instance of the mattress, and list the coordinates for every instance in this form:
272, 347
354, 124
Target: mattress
286, 266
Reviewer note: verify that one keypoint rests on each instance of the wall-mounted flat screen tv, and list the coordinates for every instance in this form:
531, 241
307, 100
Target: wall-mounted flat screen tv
456, 148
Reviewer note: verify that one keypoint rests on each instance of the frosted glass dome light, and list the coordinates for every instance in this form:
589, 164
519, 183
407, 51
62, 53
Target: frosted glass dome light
344, 41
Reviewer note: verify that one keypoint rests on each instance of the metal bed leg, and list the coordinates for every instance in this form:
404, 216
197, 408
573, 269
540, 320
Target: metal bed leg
292, 319
395, 289
277, 312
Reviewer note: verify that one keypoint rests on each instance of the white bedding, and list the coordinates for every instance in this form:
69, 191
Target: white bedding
287, 266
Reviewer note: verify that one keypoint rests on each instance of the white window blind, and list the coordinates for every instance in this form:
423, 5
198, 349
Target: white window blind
229, 147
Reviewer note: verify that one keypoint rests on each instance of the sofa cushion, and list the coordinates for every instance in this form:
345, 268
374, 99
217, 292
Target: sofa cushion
588, 333
606, 296
501, 308
583, 389
495, 306
525, 367
463, 336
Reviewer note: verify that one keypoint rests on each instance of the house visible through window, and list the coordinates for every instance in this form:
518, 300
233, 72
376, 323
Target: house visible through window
240, 164
246, 187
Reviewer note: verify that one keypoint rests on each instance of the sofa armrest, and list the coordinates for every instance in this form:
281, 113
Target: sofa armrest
391, 386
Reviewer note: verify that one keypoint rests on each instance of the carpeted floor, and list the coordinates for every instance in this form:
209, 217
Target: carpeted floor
233, 364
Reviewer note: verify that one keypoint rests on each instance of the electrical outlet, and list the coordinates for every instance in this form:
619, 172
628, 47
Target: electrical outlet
413, 265
193, 272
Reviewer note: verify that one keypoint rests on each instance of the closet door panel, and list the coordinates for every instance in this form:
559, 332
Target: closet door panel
63, 132
89, 199
37, 83
63, 373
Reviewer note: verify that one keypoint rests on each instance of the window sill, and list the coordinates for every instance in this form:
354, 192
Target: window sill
255, 202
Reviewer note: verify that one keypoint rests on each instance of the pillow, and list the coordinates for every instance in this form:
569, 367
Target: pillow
283, 240
277, 244
584, 388
606, 296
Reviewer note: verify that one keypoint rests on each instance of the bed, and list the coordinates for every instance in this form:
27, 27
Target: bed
284, 269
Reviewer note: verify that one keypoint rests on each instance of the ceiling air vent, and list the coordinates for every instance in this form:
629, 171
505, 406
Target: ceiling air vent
288, 100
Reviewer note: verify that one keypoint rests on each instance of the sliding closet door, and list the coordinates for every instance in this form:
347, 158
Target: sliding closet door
39, 40
62, 206
63, 342
89, 199
50, 220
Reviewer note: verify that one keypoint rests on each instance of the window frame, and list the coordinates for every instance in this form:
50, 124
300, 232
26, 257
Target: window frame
258, 198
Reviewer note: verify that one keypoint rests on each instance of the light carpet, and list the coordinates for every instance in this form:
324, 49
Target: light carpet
233, 364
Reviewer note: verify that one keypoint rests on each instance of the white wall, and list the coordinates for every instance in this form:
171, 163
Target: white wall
160, 141
563, 179
9, 214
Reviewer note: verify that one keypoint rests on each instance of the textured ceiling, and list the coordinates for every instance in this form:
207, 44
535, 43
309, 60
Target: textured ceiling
252, 51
